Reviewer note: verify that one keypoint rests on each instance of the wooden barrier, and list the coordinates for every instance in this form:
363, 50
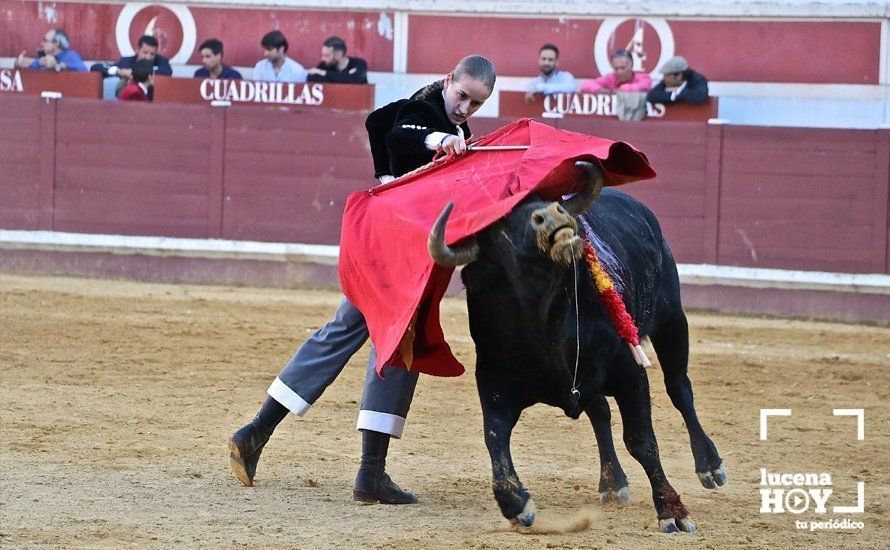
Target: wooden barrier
601, 106
308, 95
67, 83
790, 198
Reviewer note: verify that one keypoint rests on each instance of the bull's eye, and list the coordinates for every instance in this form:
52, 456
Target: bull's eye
538, 219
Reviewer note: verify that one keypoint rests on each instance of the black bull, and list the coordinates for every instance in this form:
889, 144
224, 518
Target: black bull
522, 275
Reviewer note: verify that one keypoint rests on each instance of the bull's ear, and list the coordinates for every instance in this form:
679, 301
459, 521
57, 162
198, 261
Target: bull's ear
446, 255
593, 177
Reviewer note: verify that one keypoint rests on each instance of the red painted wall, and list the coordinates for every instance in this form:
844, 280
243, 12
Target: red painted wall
842, 52
124, 168
791, 198
287, 174
794, 201
745, 51
20, 163
511, 43
752, 50
92, 31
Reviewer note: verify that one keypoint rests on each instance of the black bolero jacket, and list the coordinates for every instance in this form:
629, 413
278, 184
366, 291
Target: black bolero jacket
397, 131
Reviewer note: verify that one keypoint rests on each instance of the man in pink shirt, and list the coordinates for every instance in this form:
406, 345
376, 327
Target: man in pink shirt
624, 79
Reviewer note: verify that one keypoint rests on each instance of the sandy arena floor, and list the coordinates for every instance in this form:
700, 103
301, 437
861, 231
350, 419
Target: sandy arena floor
117, 399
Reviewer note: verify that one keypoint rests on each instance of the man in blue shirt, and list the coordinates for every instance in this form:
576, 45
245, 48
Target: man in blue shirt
551, 80
54, 55
277, 66
211, 51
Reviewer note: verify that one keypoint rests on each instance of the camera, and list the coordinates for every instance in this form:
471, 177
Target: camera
41, 53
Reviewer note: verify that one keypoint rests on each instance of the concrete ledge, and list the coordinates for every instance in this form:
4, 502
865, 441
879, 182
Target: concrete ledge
810, 294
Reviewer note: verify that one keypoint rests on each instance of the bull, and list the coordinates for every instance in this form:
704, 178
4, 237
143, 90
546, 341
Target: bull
542, 335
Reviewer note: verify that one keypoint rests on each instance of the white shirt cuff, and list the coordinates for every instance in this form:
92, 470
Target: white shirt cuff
434, 139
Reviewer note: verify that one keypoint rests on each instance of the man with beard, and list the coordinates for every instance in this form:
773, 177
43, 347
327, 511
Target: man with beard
337, 67
551, 80
404, 135
276, 66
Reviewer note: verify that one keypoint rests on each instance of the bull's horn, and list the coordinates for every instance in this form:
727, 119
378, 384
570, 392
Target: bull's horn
592, 174
446, 255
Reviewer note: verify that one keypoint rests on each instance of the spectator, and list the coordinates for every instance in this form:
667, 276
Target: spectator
623, 79
680, 83
211, 56
147, 50
55, 55
141, 75
337, 67
551, 80
277, 66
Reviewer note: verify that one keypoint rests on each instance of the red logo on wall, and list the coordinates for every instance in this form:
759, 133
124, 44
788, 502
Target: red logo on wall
172, 24
160, 22
641, 40
648, 39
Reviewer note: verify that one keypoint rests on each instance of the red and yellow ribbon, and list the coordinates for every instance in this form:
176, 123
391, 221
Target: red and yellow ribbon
614, 305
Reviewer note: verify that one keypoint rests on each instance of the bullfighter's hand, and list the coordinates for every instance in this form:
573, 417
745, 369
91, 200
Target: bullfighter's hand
454, 145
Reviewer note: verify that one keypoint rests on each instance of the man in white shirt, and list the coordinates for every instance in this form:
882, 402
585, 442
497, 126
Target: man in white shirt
277, 66
551, 80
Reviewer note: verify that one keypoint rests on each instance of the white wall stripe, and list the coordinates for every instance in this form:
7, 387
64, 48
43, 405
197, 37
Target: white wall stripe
884, 70
400, 42
690, 274
200, 248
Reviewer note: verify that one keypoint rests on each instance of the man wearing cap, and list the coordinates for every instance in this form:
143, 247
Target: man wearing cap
680, 83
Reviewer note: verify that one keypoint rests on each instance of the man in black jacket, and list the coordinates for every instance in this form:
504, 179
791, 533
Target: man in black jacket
680, 83
337, 67
146, 48
404, 136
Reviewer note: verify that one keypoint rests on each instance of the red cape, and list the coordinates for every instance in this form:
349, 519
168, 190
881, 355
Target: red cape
385, 268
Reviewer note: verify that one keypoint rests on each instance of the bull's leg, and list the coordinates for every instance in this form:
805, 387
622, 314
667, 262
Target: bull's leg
636, 417
671, 343
499, 416
613, 481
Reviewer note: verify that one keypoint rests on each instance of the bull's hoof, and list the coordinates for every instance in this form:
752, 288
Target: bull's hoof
670, 525
714, 478
621, 496
686, 525
527, 517
245, 447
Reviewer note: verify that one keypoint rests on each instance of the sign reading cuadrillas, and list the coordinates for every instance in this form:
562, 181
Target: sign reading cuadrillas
248, 91
592, 105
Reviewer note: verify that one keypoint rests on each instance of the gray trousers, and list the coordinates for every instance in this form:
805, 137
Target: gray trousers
318, 362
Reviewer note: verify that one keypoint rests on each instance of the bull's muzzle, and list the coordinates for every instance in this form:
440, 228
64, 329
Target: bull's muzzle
556, 232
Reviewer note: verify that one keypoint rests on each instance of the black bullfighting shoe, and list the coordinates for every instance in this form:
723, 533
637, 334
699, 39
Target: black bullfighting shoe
245, 447
376, 486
